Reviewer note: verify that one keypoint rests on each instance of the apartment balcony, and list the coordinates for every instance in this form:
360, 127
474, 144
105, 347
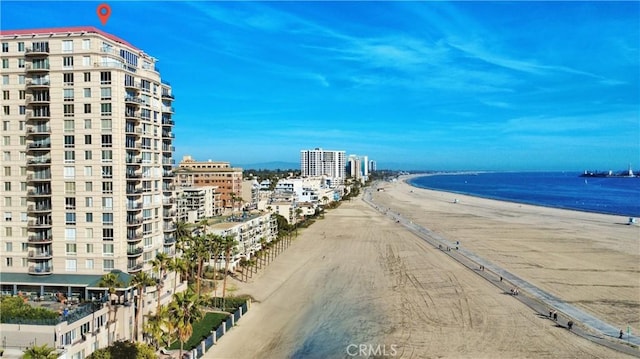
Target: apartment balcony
33, 84
39, 177
134, 237
31, 100
130, 115
167, 109
134, 222
132, 85
168, 214
40, 68
34, 162
167, 96
168, 201
167, 122
166, 148
39, 224
40, 270
135, 252
39, 146
169, 228
168, 174
38, 115
39, 208
169, 240
166, 134
168, 188
135, 206
135, 161
38, 130
133, 100
35, 255
133, 146
39, 193
40, 239
136, 268
36, 52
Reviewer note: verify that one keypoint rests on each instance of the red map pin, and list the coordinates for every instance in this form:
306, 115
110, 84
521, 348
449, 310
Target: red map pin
104, 11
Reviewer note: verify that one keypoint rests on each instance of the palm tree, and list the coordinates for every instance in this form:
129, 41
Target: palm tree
179, 267
184, 311
112, 282
229, 243
160, 264
159, 328
40, 352
140, 281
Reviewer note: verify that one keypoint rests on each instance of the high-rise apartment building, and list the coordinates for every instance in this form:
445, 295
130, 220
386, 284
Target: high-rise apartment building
319, 162
87, 154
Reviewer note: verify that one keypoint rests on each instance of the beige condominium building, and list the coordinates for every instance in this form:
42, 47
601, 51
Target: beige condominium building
192, 173
87, 154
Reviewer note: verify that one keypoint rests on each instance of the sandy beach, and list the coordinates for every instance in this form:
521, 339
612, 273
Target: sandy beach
359, 278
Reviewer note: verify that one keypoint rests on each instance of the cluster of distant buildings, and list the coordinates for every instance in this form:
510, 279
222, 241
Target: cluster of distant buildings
90, 185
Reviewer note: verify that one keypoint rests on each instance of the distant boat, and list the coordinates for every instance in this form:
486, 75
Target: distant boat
610, 174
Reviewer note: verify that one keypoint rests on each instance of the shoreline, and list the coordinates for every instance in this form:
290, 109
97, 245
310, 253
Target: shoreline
407, 178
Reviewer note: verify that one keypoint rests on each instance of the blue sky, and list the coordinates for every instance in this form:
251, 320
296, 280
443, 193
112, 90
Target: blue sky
430, 85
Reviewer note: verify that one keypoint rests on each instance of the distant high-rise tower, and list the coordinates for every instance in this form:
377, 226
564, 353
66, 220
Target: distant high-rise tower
87, 182
372, 166
319, 162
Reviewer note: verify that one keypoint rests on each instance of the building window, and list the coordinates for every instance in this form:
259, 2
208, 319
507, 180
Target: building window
70, 218
69, 141
5, 63
67, 79
107, 171
70, 203
69, 172
21, 46
87, 155
105, 93
87, 108
107, 187
88, 186
21, 63
107, 140
105, 77
69, 125
5, 47
88, 171
9, 247
105, 109
71, 249
68, 94
88, 217
107, 156
70, 266
89, 247
70, 187
67, 62
107, 264
105, 124
87, 77
89, 263
68, 110
86, 61
87, 124
9, 262
67, 45
107, 218
69, 156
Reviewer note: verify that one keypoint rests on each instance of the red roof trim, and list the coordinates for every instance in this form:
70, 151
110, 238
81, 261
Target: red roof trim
63, 30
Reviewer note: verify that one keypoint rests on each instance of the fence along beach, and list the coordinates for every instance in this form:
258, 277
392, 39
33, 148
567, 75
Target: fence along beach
359, 277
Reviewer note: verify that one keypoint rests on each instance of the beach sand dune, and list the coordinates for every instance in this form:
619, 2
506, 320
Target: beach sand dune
358, 278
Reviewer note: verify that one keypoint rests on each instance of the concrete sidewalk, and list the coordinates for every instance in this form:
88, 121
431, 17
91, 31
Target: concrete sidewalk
585, 324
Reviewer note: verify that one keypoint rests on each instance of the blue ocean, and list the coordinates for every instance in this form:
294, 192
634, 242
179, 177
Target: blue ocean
620, 196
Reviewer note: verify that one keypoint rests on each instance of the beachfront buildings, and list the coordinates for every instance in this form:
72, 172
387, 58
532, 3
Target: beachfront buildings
227, 179
358, 167
87, 155
251, 230
197, 203
324, 163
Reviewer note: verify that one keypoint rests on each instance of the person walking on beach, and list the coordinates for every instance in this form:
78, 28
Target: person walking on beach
555, 315
621, 334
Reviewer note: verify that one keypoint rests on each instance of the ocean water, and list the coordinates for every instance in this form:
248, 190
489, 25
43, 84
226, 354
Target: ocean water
620, 196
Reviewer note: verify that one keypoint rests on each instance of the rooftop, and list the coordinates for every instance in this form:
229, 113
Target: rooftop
65, 30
